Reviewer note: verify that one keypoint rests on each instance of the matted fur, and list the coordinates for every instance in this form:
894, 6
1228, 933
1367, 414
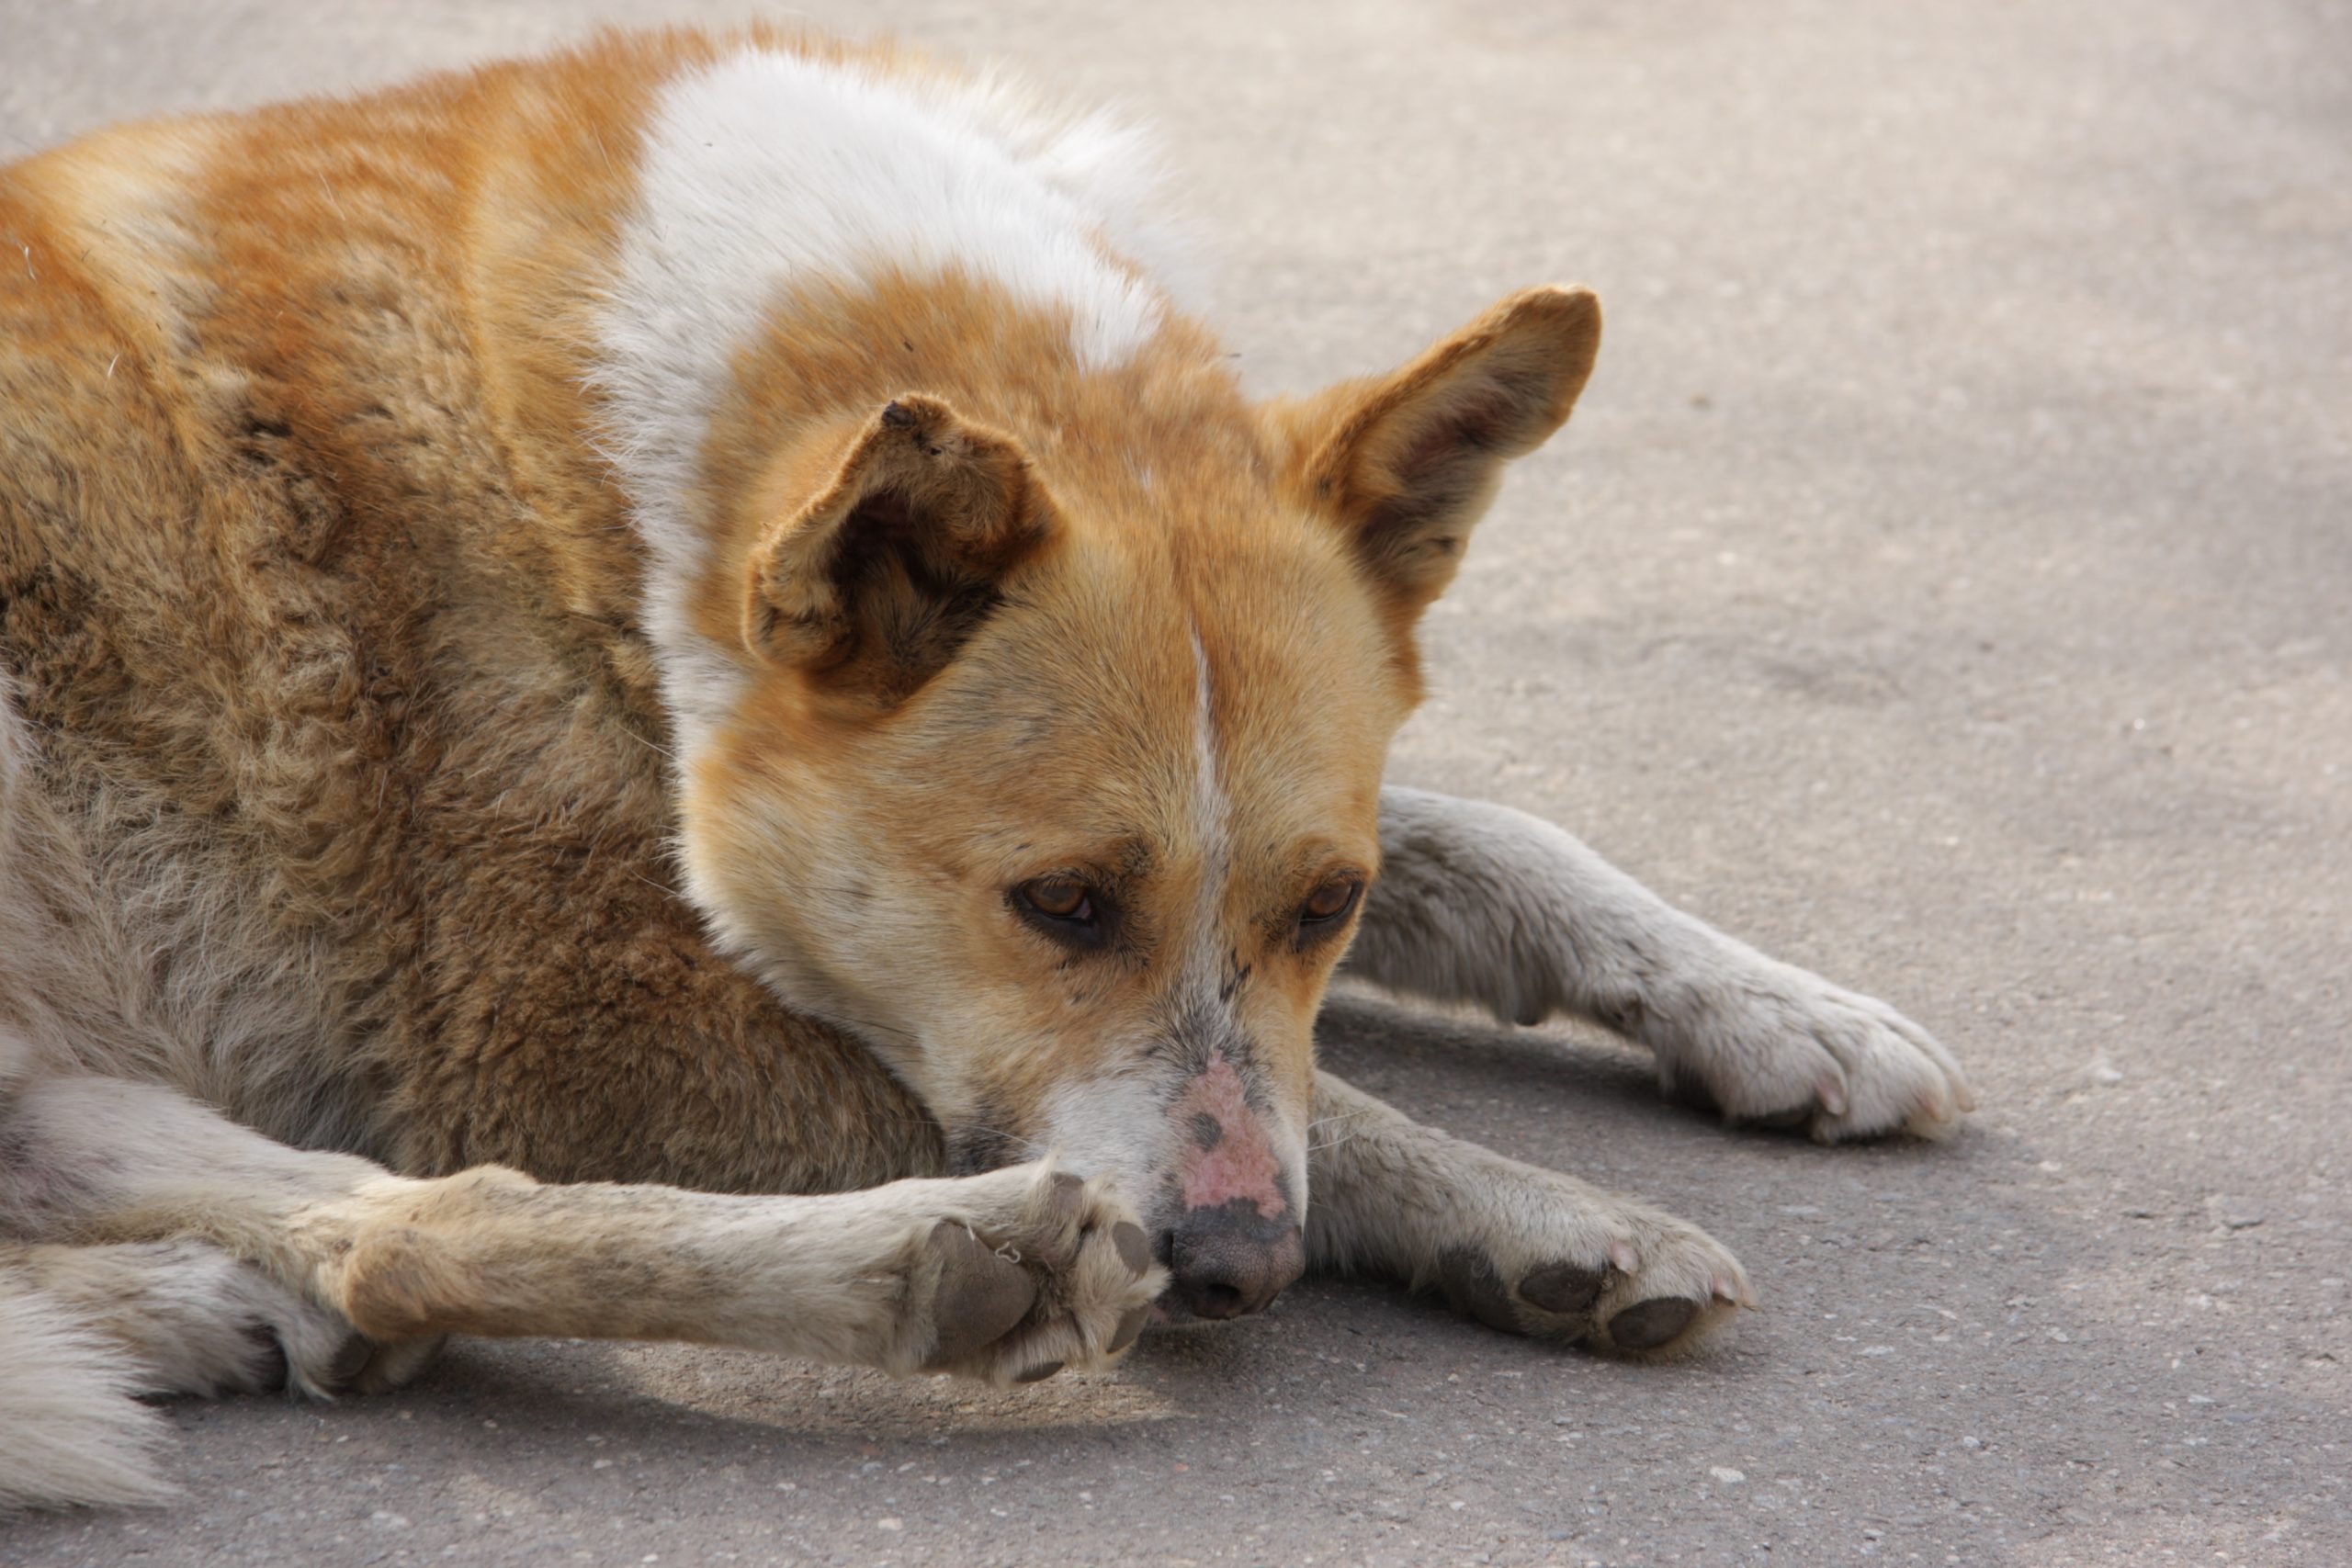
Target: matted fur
669, 692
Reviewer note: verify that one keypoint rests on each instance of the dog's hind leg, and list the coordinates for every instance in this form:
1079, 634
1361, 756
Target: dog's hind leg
88, 1169
1479, 902
190, 1318
1525, 1250
86, 1329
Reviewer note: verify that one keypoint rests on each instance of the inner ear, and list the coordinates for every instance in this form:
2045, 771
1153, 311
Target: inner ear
876, 580
1405, 463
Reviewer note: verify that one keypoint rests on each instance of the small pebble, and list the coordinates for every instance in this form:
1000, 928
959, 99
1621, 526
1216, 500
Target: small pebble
2235, 1213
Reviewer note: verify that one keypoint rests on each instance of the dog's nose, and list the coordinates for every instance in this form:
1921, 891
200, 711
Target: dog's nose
1230, 1261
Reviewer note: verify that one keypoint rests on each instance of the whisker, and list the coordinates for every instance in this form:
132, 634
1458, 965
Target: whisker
665, 892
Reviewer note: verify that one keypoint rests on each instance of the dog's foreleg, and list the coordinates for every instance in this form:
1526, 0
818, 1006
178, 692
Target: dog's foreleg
1479, 902
1008, 1276
1522, 1249
1004, 1276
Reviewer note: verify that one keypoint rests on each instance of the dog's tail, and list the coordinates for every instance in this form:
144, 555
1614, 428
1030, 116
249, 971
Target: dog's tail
71, 1431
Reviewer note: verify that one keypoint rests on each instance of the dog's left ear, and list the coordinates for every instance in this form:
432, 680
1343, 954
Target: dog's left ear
1407, 463
871, 584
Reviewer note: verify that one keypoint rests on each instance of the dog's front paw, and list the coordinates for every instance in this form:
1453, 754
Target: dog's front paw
1778, 1046
1039, 1270
1547, 1255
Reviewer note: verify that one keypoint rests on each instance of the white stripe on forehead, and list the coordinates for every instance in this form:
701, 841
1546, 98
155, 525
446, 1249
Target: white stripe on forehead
1201, 983
1212, 810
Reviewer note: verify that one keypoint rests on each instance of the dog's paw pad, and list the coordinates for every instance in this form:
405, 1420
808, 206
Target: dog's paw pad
1472, 1287
1670, 1287
981, 1296
1653, 1324
1065, 1196
1563, 1287
361, 1365
1795, 1118
1135, 1247
266, 1368
1048, 1270
289, 1343
1130, 1329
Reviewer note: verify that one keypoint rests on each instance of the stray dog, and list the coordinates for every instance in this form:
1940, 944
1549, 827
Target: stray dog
589, 644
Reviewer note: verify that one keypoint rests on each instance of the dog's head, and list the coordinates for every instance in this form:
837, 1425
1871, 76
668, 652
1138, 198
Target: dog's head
1053, 770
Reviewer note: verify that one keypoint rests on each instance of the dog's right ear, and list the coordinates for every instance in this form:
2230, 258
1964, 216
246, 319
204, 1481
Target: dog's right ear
1404, 464
875, 582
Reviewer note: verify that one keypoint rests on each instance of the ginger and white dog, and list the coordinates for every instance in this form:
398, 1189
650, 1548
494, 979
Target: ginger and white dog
695, 619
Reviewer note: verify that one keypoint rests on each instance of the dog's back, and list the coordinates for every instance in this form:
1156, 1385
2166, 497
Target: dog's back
313, 584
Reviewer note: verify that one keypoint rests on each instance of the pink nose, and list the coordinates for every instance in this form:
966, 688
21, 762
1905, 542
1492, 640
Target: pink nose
1230, 1260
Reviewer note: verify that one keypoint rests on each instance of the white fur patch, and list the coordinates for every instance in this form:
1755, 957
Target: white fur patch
1213, 811
1213, 834
73, 1433
767, 171
1114, 1125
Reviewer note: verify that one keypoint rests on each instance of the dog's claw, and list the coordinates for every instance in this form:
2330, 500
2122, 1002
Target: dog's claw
1130, 1329
1831, 1093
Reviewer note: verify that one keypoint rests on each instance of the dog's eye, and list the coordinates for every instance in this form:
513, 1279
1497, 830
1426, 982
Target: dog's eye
1060, 896
1063, 907
1329, 904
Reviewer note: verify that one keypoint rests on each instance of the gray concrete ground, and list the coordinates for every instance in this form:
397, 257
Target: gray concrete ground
1945, 585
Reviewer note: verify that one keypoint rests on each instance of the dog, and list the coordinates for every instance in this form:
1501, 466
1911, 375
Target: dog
669, 692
